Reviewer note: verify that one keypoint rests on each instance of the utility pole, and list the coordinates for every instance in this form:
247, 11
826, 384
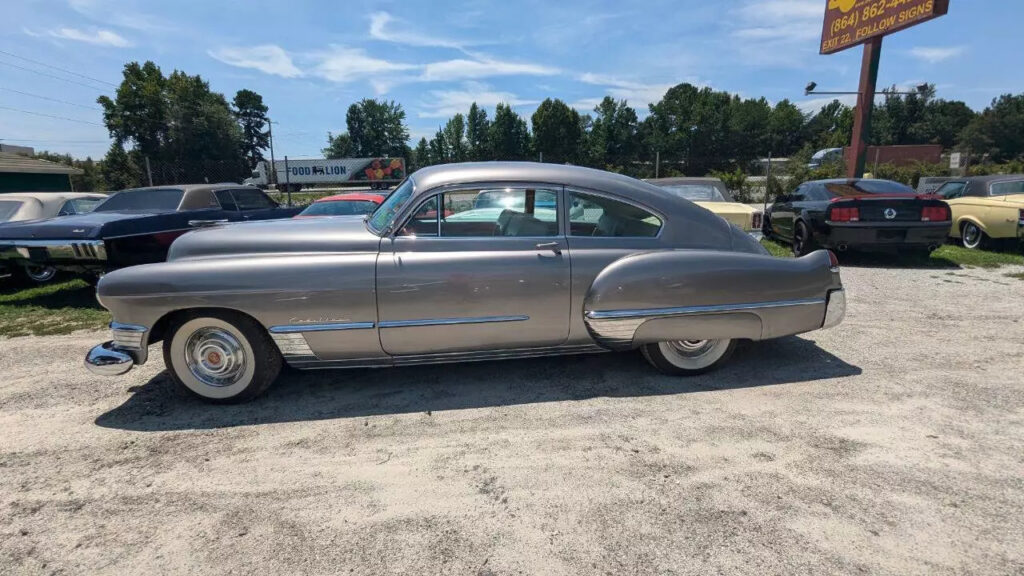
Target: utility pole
657, 163
288, 181
272, 176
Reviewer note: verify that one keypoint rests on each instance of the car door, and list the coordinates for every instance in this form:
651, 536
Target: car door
783, 214
459, 275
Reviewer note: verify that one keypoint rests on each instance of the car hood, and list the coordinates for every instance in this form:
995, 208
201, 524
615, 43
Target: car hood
291, 236
85, 226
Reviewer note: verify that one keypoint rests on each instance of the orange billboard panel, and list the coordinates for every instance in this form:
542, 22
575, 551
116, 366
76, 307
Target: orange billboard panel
852, 22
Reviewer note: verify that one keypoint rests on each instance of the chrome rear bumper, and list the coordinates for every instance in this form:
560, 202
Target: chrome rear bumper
107, 360
835, 311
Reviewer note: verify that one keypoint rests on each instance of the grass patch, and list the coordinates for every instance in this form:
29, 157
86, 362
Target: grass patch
1016, 275
947, 256
56, 308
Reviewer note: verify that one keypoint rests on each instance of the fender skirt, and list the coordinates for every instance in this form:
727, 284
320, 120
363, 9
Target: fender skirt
702, 295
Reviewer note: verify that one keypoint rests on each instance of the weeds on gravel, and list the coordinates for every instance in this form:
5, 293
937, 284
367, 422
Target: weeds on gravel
56, 308
1017, 275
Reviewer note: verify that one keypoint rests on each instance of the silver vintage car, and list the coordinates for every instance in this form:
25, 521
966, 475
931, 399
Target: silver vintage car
464, 262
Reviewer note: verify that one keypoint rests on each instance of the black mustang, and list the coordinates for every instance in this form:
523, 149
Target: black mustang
132, 226
858, 214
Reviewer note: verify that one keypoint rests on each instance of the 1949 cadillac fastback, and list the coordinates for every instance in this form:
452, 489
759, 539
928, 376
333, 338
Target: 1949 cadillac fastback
464, 262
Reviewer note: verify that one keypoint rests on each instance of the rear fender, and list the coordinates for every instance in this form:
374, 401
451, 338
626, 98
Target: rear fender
698, 295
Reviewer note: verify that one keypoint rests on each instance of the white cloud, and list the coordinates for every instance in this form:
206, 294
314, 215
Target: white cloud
777, 33
481, 67
343, 65
382, 28
638, 94
97, 36
447, 103
813, 105
935, 54
268, 58
115, 13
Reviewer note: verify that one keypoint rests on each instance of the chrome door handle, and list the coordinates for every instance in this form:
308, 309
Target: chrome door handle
553, 246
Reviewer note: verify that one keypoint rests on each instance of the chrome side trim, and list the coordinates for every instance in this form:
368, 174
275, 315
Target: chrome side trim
293, 347
54, 249
451, 321
299, 328
448, 357
688, 310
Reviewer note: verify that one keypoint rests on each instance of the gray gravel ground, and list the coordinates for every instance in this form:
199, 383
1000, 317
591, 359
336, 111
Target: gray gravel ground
893, 444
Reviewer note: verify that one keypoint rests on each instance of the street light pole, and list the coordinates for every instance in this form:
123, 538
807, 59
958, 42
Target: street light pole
272, 176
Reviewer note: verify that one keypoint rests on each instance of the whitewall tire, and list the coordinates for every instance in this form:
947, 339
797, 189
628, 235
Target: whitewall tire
688, 357
221, 357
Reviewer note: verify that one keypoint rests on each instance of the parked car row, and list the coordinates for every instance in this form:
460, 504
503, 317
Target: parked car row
868, 214
40, 206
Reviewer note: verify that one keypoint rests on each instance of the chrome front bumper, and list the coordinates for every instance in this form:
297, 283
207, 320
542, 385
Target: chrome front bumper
49, 250
835, 310
107, 360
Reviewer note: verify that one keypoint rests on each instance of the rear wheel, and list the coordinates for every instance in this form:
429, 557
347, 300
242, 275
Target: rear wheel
802, 241
40, 274
221, 357
688, 357
972, 236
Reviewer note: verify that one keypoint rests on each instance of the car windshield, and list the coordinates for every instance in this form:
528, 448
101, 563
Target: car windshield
862, 187
697, 192
82, 205
387, 210
340, 208
8, 208
158, 199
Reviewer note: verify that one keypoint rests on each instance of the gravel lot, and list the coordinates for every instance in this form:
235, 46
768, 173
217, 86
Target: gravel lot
892, 444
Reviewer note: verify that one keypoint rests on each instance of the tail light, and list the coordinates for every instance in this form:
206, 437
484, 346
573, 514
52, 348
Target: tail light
934, 213
755, 220
833, 261
844, 215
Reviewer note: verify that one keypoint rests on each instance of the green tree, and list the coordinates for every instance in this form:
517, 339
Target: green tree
944, 121
119, 169
509, 137
692, 129
377, 128
439, 152
251, 113
204, 141
421, 155
748, 124
557, 132
477, 127
998, 131
785, 129
830, 127
455, 139
338, 146
613, 139
139, 113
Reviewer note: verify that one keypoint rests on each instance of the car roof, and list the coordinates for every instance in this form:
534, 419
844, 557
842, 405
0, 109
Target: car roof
189, 187
990, 178
50, 195
852, 181
356, 196
683, 180
431, 177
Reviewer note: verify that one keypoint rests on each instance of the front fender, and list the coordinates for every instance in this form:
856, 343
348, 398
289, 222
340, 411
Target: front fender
276, 290
698, 295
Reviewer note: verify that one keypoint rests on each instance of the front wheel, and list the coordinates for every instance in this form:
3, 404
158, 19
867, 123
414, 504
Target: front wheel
803, 243
221, 357
40, 274
688, 357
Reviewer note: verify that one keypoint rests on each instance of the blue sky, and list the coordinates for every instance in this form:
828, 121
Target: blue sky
311, 59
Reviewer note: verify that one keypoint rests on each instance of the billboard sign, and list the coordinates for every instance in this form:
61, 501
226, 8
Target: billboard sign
849, 23
324, 171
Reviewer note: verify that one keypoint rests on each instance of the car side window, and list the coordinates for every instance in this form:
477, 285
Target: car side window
67, 209
1005, 188
951, 190
252, 199
424, 221
521, 212
227, 202
798, 195
599, 216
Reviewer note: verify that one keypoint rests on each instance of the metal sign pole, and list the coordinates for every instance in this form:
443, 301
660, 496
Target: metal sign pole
865, 103
287, 181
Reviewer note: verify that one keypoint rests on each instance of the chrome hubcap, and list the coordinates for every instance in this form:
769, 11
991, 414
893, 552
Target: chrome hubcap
691, 348
215, 357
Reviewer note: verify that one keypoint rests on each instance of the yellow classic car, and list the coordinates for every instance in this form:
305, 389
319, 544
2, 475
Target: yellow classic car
985, 208
712, 194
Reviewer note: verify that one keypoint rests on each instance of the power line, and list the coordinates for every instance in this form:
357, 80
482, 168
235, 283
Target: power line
51, 116
51, 99
51, 76
60, 69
